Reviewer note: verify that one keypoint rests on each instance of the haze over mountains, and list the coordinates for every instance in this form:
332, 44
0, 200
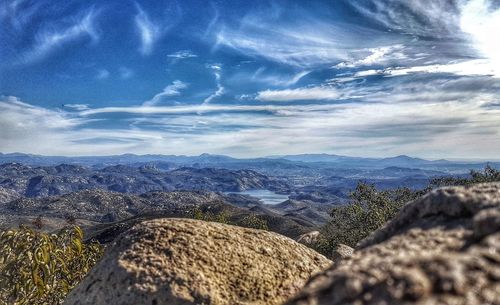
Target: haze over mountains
227, 161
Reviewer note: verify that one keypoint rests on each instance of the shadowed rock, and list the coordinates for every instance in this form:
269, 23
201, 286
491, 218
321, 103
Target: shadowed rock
181, 261
443, 248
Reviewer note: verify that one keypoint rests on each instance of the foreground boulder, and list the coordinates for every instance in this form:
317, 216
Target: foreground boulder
182, 261
443, 248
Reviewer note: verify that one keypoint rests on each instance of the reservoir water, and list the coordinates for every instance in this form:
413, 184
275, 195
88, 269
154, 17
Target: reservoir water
266, 196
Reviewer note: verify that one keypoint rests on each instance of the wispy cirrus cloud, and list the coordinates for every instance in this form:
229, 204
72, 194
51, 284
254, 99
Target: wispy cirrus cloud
426, 18
149, 31
217, 70
299, 94
49, 39
308, 42
173, 89
430, 129
182, 54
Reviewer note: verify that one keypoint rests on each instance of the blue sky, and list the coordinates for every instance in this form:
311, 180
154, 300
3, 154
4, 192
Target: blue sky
251, 78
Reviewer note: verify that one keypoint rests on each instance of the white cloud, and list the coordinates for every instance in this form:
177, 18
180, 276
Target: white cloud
149, 31
216, 68
378, 56
169, 91
482, 23
275, 79
48, 40
427, 18
27, 128
78, 107
440, 127
307, 42
312, 93
476, 67
102, 74
183, 54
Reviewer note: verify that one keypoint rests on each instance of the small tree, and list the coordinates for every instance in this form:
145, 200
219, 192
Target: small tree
41, 268
368, 210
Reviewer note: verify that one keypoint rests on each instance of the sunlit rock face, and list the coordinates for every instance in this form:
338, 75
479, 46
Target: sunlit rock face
181, 261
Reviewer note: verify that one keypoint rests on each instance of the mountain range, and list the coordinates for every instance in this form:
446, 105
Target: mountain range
283, 161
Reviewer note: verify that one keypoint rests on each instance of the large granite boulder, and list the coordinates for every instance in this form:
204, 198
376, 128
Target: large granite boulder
443, 248
182, 261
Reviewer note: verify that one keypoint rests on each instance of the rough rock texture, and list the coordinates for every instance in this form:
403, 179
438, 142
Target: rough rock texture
308, 238
7, 195
443, 248
181, 261
342, 252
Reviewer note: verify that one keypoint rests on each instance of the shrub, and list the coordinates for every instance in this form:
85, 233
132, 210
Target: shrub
489, 174
222, 217
254, 222
41, 268
370, 209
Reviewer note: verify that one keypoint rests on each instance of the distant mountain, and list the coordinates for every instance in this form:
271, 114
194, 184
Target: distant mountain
33, 181
277, 165
403, 160
319, 158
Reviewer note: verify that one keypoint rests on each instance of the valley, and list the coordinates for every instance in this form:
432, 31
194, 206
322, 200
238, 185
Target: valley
292, 194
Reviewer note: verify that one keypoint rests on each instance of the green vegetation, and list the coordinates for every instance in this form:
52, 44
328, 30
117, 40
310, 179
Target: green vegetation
41, 268
370, 209
255, 222
222, 217
249, 221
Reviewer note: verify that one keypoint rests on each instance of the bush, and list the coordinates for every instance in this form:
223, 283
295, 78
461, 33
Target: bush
489, 174
254, 222
370, 209
222, 217
41, 268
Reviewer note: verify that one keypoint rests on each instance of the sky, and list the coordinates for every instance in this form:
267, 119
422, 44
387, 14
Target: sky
251, 78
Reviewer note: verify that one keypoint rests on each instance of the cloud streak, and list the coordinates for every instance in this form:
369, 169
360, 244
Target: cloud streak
48, 40
430, 129
173, 89
217, 70
149, 31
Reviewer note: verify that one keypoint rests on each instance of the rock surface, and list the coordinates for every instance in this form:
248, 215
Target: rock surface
308, 238
443, 248
181, 261
342, 252
7, 195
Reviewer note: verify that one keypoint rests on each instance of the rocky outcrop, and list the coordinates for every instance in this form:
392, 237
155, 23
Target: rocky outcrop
180, 261
7, 195
443, 248
309, 238
342, 252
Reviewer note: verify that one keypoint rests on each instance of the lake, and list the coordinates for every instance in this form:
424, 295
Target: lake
266, 196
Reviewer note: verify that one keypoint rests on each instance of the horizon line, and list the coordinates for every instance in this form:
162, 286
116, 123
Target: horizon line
276, 156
